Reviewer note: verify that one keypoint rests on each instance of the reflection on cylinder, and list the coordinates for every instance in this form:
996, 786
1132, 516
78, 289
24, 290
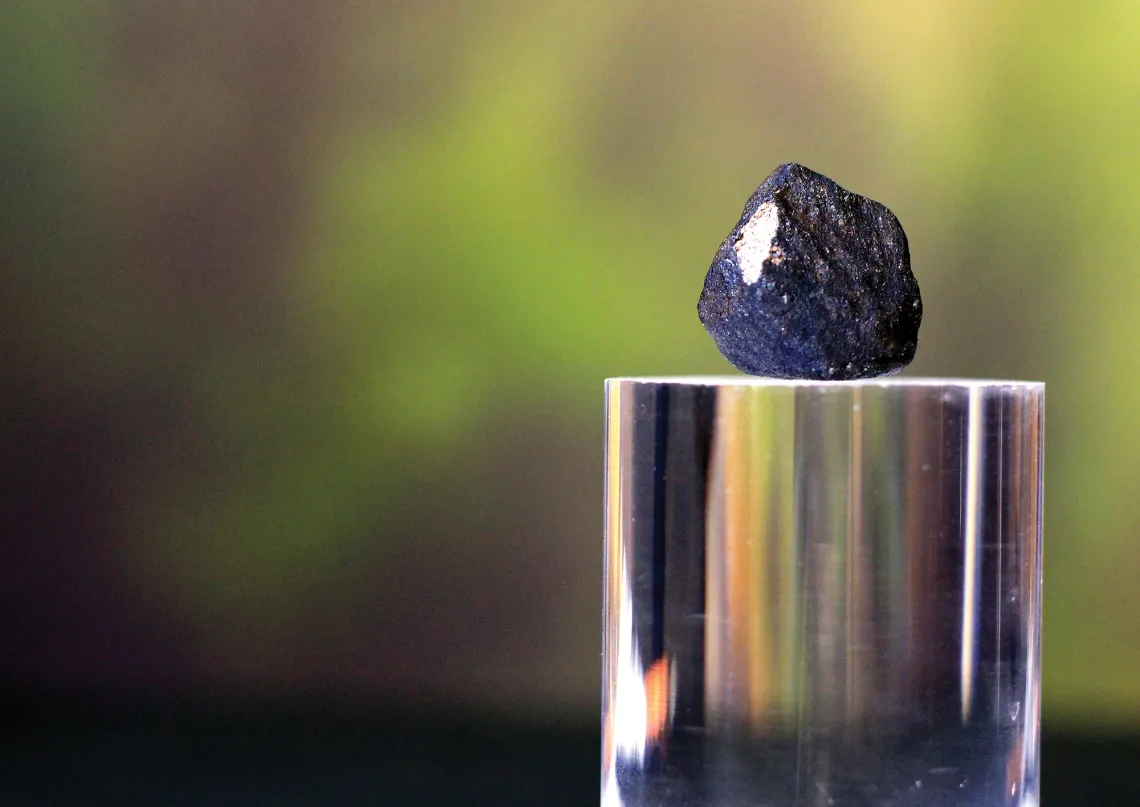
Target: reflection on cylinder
821, 593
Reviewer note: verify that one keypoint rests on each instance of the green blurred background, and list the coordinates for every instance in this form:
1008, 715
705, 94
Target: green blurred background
306, 309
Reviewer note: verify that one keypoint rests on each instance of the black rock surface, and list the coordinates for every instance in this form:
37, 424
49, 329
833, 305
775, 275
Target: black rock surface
813, 282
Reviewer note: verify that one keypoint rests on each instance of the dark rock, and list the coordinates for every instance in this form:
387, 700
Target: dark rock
813, 282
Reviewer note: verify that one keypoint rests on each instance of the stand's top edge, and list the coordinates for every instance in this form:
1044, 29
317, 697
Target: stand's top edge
885, 381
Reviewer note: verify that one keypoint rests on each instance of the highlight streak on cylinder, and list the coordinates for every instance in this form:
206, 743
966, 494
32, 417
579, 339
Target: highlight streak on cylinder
614, 508
719, 664
738, 620
758, 598
1032, 698
973, 525
788, 584
624, 726
855, 598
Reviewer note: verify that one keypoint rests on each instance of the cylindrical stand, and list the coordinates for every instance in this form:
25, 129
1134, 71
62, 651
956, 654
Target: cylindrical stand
822, 593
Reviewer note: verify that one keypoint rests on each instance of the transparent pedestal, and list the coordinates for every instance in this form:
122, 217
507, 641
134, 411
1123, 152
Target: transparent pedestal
822, 593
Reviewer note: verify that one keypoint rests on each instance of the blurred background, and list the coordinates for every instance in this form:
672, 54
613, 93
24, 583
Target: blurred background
305, 310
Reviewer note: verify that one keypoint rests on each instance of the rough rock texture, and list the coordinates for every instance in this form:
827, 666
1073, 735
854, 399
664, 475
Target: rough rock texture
813, 282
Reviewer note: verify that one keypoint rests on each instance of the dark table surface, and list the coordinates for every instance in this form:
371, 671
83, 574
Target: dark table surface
186, 757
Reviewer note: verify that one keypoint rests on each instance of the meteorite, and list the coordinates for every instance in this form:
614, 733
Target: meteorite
813, 282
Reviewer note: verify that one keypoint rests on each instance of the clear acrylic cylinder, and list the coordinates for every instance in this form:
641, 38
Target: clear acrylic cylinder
822, 593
